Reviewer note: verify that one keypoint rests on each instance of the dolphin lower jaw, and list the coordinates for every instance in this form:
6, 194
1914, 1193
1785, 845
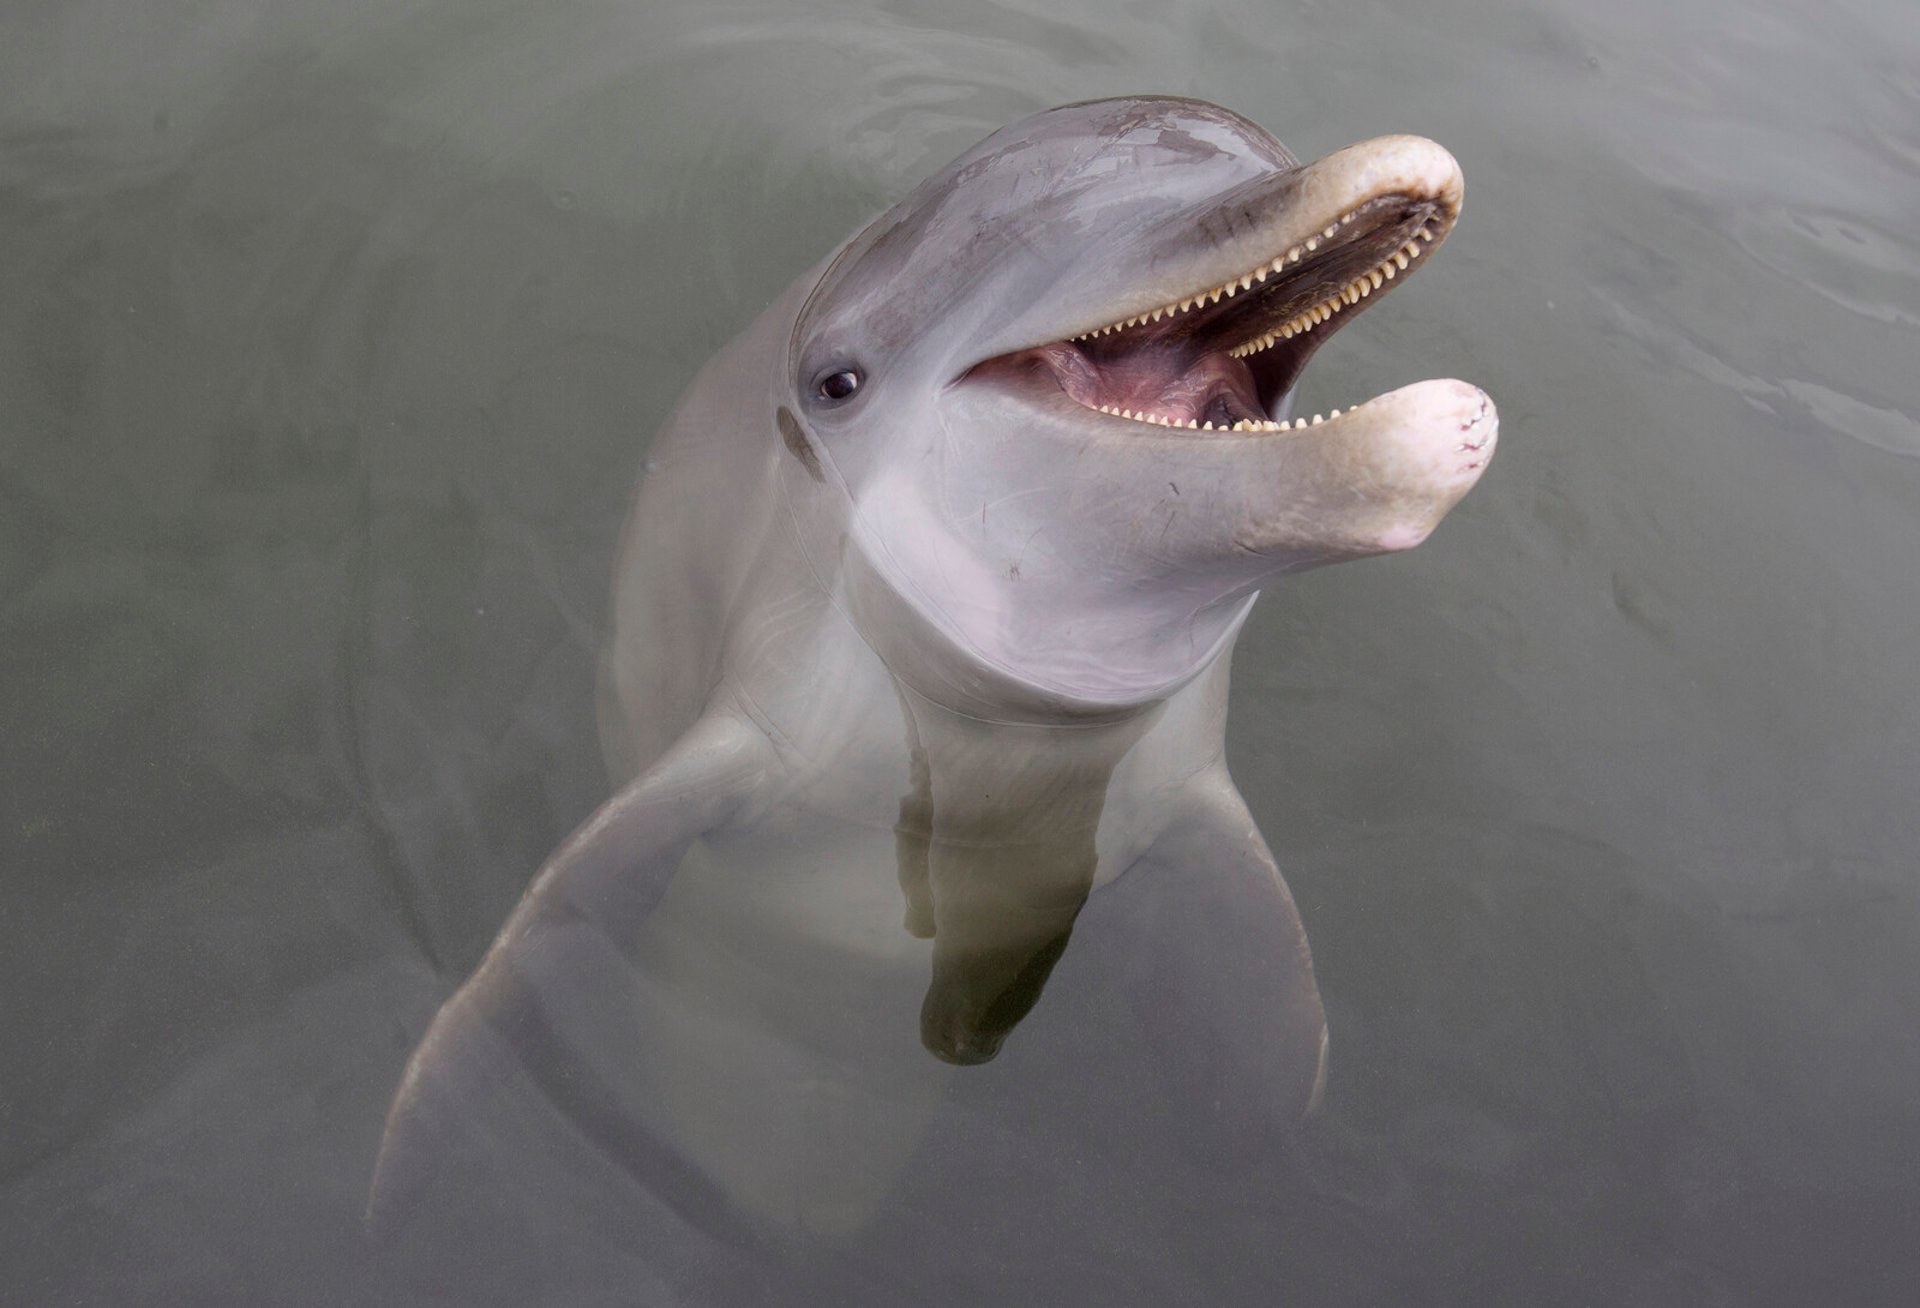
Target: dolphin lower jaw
1088, 576
1376, 481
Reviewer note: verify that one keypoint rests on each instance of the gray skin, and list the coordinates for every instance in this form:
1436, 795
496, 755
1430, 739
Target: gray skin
902, 671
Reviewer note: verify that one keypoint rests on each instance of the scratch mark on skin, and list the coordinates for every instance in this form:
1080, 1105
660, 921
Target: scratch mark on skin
1471, 446
1008, 499
1013, 570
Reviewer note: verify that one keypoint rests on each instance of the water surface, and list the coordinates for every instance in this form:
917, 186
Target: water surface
331, 336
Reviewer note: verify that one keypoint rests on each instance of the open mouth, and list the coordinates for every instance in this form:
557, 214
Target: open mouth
1224, 358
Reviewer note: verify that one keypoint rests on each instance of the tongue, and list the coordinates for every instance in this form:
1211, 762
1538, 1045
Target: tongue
1162, 379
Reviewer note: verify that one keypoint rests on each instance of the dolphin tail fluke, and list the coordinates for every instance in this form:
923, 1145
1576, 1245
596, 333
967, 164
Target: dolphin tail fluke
498, 1049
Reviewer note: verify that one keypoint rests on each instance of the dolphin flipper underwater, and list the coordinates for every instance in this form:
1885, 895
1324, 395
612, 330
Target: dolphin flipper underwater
920, 637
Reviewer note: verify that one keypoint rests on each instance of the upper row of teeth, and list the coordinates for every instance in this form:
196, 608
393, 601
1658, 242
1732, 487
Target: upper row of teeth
1244, 424
1351, 293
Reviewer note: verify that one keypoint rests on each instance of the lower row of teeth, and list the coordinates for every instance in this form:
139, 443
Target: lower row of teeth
1244, 424
1352, 293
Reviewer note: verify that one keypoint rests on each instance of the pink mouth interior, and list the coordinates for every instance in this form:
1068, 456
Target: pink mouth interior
1163, 377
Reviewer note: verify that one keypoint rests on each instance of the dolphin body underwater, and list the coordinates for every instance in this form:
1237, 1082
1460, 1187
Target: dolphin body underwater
920, 636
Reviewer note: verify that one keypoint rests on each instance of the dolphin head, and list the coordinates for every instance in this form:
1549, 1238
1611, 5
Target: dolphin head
1049, 394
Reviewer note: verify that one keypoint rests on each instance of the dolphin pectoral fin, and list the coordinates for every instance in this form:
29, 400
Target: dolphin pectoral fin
498, 1037
1224, 983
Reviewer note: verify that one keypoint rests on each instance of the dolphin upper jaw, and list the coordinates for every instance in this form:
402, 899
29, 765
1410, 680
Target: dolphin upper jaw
1310, 228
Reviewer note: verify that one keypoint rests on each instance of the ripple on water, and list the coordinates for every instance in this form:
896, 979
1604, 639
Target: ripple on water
1836, 256
1888, 429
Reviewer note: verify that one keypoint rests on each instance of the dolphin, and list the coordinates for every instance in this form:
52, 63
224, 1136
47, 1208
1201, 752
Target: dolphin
920, 636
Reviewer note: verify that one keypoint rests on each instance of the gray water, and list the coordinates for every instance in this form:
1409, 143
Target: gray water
331, 335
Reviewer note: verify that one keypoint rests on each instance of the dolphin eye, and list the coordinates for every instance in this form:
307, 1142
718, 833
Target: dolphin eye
839, 385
